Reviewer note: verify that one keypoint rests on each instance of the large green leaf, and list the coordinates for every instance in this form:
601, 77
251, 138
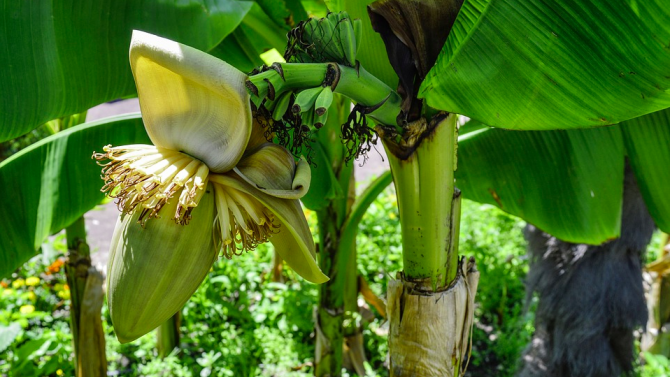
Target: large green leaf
647, 141
263, 28
540, 64
238, 51
568, 183
63, 57
48, 185
372, 52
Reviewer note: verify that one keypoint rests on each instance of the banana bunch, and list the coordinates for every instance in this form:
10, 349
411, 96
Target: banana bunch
334, 38
311, 104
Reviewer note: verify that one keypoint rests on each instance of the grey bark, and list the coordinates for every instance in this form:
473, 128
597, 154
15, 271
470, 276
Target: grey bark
591, 298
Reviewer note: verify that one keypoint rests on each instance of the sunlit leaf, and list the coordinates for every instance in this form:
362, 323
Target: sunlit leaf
537, 64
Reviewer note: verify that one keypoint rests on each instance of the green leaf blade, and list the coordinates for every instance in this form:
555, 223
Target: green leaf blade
48, 185
567, 183
538, 65
61, 58
647, 141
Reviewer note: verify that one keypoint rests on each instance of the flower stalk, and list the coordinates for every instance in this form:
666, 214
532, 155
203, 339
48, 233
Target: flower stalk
167, 335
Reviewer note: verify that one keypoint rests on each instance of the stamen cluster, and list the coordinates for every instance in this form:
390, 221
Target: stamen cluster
144, 177
242, 221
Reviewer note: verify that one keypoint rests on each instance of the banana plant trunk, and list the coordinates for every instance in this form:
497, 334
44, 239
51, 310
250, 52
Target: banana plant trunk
431, 302
86, 298
591, 298
353, 357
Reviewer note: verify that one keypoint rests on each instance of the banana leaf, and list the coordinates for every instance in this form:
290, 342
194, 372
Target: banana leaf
47, 186
568, 183
63, 57
560, 64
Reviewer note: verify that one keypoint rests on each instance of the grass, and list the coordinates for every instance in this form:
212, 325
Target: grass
239, 323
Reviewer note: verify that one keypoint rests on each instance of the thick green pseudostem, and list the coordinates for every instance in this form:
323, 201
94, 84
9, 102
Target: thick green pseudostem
86, 297
167, 335
431, 304
330, 312
423, 172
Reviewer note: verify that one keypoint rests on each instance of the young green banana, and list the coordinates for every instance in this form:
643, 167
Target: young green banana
305, 99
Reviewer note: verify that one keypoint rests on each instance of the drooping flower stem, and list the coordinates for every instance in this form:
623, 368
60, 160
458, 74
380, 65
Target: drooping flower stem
86, 297
167, 335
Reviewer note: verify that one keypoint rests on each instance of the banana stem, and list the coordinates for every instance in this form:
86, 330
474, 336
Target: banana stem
330, 312
429, 206
167, 335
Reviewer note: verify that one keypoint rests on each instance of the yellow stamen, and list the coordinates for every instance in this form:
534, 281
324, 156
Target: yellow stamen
242, 222
144, 178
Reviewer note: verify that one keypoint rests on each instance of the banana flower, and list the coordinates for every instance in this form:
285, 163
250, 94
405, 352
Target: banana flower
210, 182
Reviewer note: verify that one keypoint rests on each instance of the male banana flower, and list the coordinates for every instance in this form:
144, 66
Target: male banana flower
209, 183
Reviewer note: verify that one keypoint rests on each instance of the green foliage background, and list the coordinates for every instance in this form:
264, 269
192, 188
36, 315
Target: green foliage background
239, 323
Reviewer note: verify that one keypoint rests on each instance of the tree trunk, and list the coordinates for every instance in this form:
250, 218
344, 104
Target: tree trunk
591, 298
86, 296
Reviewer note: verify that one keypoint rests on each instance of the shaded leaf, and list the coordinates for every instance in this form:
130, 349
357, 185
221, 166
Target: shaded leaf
285, 13
371, 53
647, 141
48, 185
567, 183
325, 186
238, 51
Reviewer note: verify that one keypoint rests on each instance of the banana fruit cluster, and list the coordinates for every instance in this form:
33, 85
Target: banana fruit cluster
334, 38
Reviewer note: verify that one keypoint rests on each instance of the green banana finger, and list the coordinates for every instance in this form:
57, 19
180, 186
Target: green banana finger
323, 101
282, 106
305, 99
